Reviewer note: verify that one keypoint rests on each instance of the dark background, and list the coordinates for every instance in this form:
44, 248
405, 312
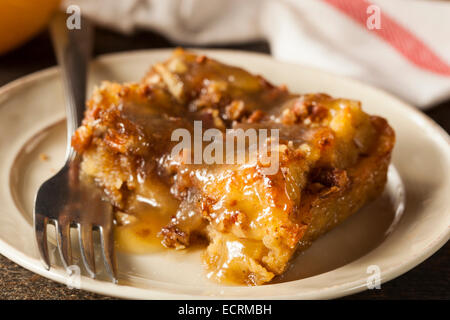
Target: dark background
429, 280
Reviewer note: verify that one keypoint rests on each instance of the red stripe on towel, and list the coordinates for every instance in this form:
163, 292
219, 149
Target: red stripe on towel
405, 42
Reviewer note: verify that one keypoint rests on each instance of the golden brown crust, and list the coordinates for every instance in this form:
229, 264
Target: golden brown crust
333, 159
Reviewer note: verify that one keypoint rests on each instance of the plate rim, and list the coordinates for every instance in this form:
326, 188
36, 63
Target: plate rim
102, 287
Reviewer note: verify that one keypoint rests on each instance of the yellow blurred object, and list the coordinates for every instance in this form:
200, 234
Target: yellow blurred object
22, 19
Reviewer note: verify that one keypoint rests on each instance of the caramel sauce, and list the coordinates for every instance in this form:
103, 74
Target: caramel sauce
141, 236
149, 210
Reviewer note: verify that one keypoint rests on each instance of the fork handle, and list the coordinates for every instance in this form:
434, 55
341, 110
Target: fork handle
73, 50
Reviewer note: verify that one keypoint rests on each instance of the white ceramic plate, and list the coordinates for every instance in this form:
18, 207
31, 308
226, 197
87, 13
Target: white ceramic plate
395, 233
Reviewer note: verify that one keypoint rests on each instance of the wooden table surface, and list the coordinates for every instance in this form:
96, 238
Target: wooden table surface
429, 280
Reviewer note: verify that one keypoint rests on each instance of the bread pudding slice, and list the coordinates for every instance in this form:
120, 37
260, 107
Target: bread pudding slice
332, 158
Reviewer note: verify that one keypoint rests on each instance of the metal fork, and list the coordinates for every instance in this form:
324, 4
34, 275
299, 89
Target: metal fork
65, 200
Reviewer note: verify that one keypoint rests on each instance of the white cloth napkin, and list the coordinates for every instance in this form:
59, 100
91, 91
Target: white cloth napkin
409, 56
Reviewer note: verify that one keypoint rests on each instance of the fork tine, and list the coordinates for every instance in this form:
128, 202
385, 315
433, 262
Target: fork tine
64, 242
107, 241
40, 230
87, 248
